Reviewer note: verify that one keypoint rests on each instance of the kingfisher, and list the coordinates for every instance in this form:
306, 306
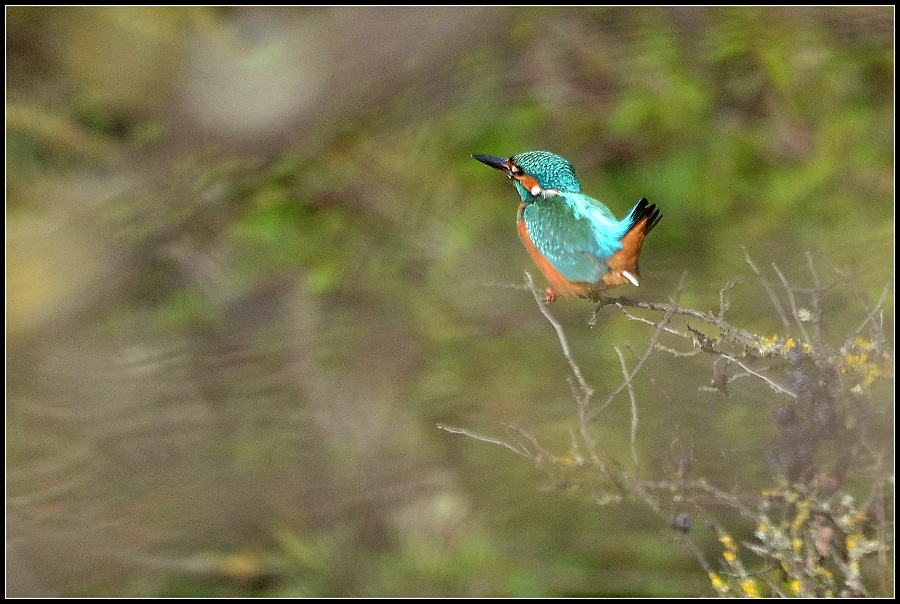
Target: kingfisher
575, 240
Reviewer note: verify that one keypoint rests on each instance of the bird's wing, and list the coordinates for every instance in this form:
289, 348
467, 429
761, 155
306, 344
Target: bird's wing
575, 233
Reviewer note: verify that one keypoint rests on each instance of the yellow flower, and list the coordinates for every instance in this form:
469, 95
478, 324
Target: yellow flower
863, 343
718, 583
728, 542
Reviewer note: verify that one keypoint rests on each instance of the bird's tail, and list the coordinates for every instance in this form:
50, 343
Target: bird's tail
642, 209
623, 265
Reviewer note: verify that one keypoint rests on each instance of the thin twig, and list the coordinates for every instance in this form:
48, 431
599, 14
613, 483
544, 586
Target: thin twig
870, 318
627, 382
816, 300
634, 413
773, 385
678, 353
560, 334
638, 319
794, 310
732, 333
703, 486
584, 398
523, 452
724, 300
729, 332
775, 301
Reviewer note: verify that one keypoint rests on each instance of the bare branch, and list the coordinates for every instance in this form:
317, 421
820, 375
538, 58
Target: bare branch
630, 375
634, 414
637, 319
773, 385
794, 310
560, 334
679, 353
775, 301
737, 352
816, 300
703, 486
523, 452
724, 301
519, 433
738, 336
870, 318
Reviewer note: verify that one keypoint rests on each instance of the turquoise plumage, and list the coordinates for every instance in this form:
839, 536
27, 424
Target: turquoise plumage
576, 241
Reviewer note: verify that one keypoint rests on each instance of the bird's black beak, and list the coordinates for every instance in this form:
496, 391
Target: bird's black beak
500, 163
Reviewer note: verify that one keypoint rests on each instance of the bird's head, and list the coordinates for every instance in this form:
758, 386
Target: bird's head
536, 173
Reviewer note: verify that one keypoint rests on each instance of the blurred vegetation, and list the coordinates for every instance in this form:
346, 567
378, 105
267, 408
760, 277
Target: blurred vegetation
252, 267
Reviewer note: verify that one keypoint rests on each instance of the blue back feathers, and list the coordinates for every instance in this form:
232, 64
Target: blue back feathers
576, 233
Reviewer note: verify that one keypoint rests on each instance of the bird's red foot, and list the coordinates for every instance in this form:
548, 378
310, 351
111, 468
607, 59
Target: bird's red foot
551, 296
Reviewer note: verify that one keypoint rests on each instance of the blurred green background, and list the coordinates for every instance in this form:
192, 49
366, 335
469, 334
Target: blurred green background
251, 266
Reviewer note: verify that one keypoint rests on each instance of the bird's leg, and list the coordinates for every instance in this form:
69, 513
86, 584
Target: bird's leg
551, 296
595, 295
601, 297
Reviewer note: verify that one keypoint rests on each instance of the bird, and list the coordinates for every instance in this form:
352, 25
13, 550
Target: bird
575, 240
